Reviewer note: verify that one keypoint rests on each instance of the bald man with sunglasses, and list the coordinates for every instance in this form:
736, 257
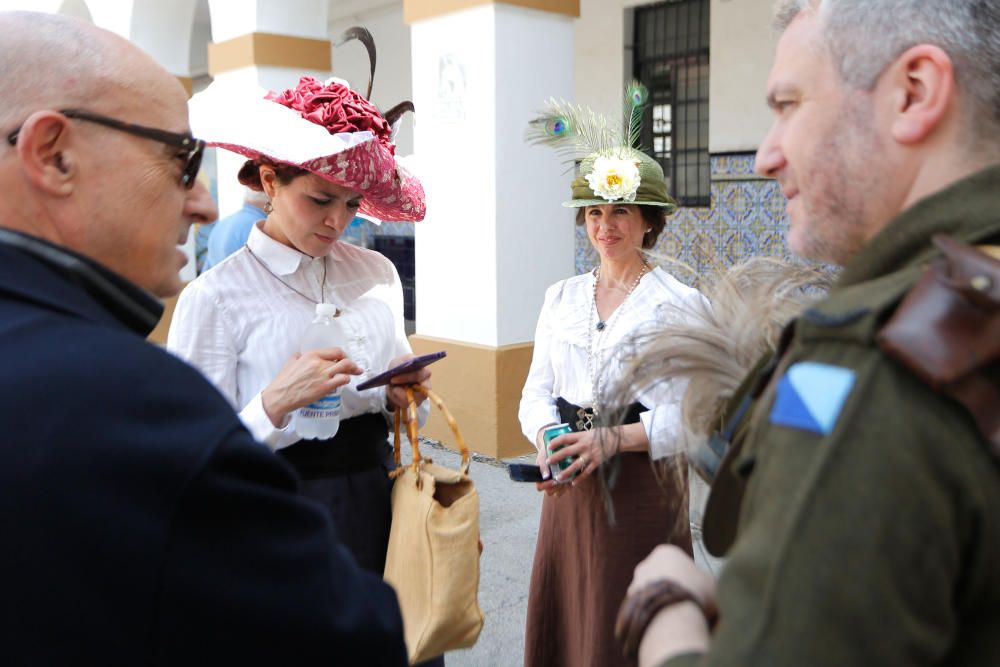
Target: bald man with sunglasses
142, 524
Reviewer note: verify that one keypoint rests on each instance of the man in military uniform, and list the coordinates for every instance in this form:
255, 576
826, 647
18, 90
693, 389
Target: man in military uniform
861, 487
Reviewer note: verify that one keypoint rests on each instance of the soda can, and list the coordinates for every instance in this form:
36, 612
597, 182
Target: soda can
550, 434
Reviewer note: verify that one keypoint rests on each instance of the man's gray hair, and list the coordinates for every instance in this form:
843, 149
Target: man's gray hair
865, 36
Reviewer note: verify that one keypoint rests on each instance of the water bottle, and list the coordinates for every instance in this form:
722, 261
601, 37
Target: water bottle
321, 419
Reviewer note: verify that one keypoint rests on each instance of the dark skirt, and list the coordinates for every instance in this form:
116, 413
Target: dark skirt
349, 475
583, 566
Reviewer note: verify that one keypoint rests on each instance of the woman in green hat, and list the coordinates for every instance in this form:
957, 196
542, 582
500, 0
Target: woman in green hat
593, 534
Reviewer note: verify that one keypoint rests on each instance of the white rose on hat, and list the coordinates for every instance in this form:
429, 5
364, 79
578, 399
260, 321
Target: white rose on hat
614, 179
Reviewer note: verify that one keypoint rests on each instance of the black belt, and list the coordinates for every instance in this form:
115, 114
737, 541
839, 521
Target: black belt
582, 419
361, 443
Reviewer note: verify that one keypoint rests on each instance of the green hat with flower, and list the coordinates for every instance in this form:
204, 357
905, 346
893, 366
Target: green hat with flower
631, 177
610, 169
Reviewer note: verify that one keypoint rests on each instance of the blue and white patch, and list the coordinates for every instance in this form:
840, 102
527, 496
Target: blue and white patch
811, 396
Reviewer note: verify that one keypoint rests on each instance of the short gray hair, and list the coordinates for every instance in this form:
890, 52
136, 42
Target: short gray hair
865, 36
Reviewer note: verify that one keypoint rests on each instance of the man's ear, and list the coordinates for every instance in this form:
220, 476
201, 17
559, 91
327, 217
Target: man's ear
923, 92
48, 154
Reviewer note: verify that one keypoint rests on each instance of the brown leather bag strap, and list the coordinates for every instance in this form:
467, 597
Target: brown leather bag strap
947, 331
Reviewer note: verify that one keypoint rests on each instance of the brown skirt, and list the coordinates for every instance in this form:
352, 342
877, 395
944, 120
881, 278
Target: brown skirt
583, 566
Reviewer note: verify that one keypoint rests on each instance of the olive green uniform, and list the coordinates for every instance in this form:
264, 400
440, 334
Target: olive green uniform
877, 542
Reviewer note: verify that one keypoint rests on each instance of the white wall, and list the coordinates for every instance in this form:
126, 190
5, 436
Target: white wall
740, 57
393, 78
302, 18
201, 35
534, 234
742, 48
453, 62
77, 8
164, 32
598, 49
495, 235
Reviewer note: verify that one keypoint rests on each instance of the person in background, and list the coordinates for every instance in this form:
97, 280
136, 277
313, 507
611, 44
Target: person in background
863, 481
142, 523
584, 557
231, 232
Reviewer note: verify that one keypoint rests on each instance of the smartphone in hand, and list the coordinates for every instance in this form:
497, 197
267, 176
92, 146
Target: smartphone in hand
525, 472
414, 364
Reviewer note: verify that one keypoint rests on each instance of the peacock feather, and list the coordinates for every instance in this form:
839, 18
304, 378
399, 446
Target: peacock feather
575, 131
636, 97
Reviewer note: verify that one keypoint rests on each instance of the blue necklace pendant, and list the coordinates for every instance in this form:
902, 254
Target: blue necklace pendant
600, 326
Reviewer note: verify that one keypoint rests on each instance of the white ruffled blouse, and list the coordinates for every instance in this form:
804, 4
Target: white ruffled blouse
568, 350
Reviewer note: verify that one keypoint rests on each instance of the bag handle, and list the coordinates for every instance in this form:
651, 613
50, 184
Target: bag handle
411, 430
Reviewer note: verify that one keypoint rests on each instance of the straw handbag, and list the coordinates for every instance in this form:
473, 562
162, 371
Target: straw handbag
433, 556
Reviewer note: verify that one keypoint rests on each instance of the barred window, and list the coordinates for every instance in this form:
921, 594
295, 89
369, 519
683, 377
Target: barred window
670, 56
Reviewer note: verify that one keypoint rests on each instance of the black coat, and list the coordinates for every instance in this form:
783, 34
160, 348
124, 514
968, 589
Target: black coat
140, 522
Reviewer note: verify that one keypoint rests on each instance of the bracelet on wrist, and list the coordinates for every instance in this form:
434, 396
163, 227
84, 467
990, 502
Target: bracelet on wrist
639, 609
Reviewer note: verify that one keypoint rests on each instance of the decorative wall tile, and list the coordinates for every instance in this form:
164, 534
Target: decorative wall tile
746, 219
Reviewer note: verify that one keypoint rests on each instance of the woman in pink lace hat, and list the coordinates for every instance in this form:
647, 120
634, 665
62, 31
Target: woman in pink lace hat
321, 153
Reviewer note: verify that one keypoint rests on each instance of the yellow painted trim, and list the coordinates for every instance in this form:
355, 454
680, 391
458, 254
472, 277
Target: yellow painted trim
188, 84
419, 10
482, 387
266, 49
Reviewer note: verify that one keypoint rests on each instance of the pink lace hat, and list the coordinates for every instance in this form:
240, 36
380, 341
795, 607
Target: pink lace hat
325, 128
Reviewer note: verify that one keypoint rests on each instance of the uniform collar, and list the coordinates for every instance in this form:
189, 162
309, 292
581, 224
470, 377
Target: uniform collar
968, 211
879, 275
277, 257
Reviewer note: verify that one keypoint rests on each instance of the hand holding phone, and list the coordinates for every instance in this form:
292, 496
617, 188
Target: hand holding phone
414, 364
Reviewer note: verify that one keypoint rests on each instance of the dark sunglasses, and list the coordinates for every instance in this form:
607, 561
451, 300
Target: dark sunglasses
190, 153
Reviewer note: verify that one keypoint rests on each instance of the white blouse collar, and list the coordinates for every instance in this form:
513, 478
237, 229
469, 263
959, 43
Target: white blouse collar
279, 258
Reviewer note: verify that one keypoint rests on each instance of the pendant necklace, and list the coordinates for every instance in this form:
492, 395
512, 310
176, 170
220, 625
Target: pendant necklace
322, 287
603, 328
602, 324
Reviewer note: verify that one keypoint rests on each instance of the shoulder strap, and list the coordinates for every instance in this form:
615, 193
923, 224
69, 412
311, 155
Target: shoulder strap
947, 331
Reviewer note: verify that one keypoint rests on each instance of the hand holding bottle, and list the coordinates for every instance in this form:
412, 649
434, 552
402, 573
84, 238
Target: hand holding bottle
304, 379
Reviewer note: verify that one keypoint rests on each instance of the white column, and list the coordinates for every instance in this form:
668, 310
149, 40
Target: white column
495, 235
113, 15
163, 29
